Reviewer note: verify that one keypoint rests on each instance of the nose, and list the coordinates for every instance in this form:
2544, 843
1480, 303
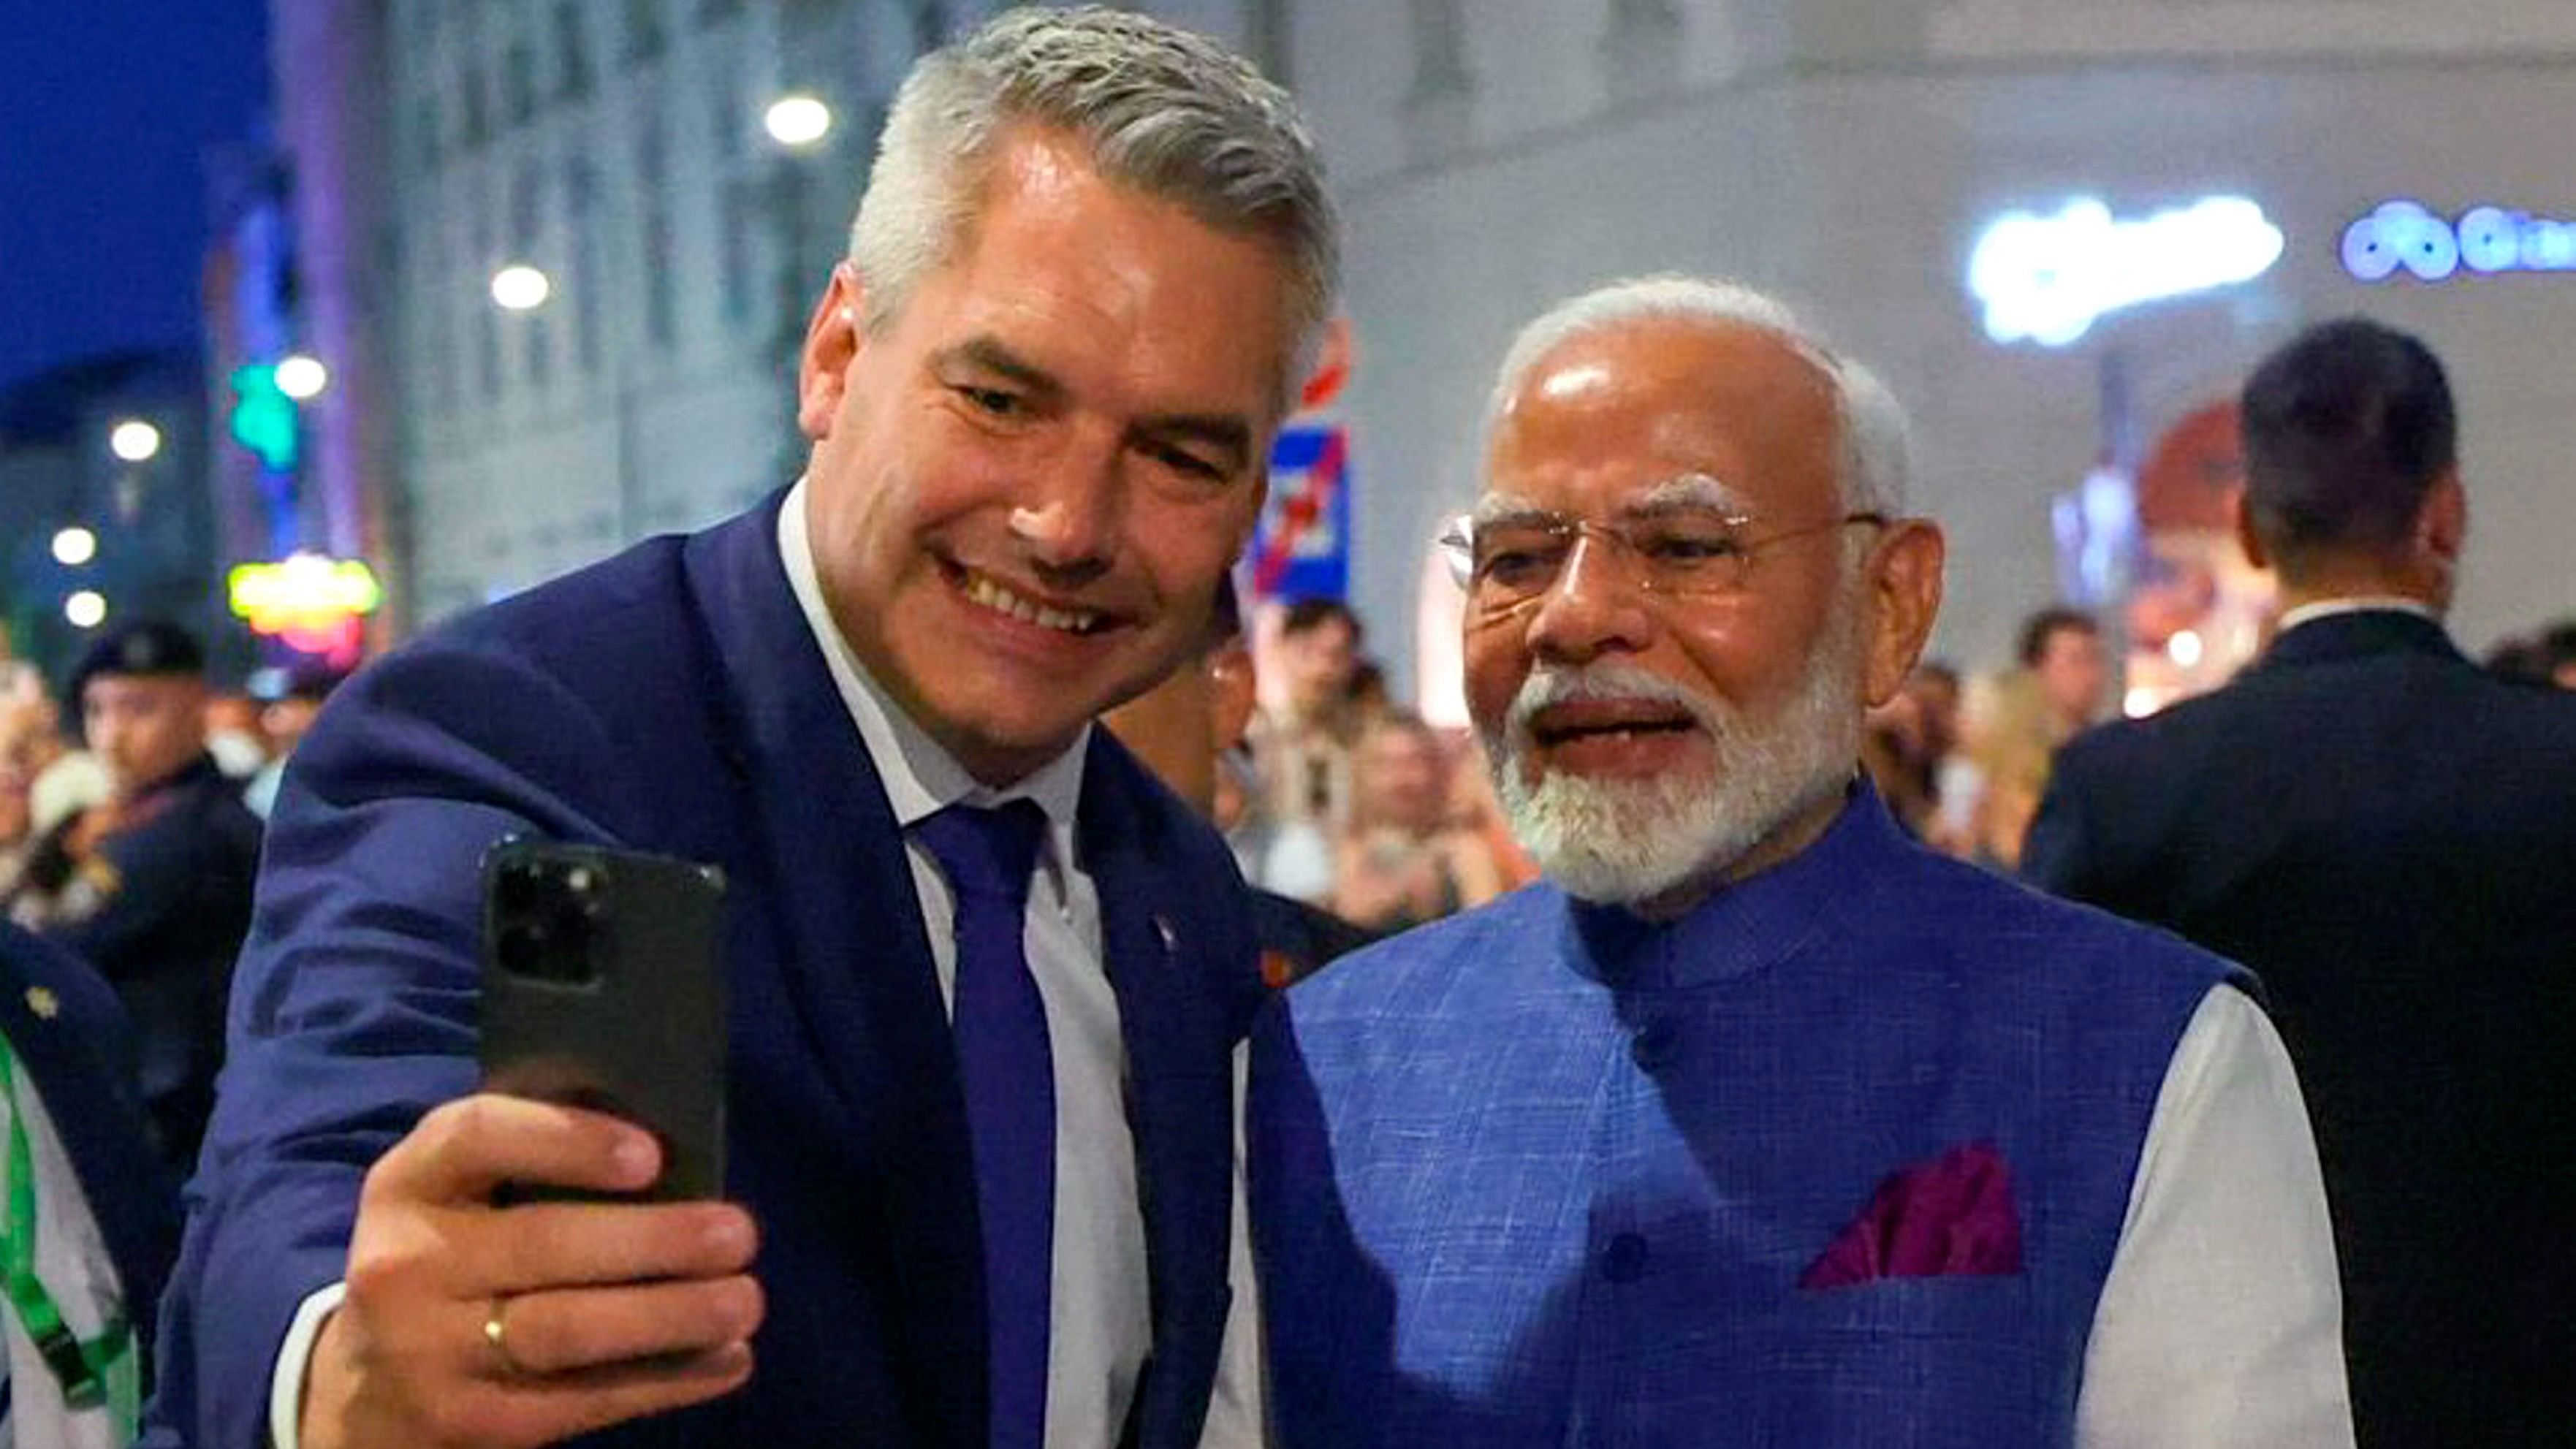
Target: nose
1593, 608
1068, 519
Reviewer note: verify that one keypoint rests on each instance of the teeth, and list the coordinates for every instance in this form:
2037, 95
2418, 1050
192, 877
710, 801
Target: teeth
993, 596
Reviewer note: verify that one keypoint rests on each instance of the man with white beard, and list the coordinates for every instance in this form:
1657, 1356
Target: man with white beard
1755, 1123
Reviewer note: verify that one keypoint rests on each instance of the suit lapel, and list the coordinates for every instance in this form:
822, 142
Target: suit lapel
1179, 1087
856, 965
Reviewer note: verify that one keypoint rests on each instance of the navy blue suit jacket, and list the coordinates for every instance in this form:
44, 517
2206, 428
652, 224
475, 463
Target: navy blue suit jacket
673, 699
2387, 835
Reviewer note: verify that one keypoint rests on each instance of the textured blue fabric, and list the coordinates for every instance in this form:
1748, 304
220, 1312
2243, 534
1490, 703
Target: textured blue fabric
1544, 1174
1008, 1071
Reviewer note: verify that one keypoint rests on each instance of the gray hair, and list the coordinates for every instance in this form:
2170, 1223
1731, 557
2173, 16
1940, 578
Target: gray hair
1162, 110
1873, 442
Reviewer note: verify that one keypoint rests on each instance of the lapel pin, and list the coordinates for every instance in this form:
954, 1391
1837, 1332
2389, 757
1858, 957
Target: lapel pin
43, 1003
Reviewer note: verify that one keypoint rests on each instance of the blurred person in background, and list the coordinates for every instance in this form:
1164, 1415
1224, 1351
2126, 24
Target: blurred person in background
295, 699
152, 886
93, 1225
1303, 743
2387, 833
1185, 729
2012, 726
1757, 1123
1404, 859
233, 735
1907, 742
2062, 651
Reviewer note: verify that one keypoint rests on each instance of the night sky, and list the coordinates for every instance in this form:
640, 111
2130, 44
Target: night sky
107, 109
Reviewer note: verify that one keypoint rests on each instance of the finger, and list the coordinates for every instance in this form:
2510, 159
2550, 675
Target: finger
570, 1404
462, 1150
557, 1245
576, 1330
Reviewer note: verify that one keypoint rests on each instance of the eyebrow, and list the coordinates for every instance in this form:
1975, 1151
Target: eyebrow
988, 354
1229, 435
1679, 493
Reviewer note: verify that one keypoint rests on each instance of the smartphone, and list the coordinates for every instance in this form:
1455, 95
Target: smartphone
603, 988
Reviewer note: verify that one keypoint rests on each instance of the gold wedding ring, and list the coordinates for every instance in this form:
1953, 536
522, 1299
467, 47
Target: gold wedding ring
496, 1332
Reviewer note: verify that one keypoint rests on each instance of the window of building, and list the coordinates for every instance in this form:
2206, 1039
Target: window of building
589, 276
572, 50
476, 123
653, 194
519, 82
425, 138
645, 36
527, 226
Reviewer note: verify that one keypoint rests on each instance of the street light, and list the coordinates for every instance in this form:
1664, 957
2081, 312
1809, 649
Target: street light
302, 377
75, 546
86, 608
520, 288
797, 121
134, 440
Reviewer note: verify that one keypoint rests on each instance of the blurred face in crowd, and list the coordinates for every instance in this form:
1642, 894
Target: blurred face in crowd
2072, 671
144, 727
1318, 663
1400, 775
285, 721
1026, 483
1649, 746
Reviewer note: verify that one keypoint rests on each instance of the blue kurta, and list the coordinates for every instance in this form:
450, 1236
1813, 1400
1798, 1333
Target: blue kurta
1544, 1174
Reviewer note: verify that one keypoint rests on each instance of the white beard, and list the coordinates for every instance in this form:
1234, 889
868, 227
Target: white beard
1629, 841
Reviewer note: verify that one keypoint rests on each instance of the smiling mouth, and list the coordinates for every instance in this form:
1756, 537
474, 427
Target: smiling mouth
984, 589
1573, 726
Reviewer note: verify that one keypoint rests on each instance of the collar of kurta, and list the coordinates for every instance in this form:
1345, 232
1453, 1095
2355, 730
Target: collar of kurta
1745, 927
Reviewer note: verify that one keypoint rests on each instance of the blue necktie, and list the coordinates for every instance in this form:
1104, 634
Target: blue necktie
1009, 1076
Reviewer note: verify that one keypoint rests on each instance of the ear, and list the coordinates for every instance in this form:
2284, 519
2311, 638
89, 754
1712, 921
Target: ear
2242, 515
833, 338
1236, 691
2442, 524
1904, 596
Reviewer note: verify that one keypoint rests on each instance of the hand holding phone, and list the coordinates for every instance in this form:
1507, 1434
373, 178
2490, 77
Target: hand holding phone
603, 988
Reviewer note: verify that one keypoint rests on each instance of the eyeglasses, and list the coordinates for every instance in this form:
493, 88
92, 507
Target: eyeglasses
1508, 564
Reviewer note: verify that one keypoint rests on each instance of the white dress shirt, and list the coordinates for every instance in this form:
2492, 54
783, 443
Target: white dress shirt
2221, 1323
1099, 1323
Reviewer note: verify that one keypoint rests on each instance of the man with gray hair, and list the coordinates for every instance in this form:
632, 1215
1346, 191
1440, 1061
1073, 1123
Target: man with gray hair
987, 981
1756, 1123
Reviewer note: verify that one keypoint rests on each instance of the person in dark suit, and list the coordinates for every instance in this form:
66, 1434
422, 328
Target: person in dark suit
152, 886
102, 1212
987, 980
2387, 835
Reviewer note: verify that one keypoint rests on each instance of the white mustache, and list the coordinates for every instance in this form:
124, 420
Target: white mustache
1551, 685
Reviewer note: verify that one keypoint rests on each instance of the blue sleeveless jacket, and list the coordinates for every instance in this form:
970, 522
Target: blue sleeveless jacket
1545, 1174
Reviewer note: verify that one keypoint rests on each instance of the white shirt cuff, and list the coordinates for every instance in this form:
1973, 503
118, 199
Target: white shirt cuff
294, 1356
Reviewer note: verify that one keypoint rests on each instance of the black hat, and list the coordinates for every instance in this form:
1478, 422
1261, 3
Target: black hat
148, 646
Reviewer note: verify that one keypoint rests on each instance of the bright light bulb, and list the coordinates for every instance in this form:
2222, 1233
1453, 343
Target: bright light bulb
75, 546
520, 287
301, 377
797, 120
86, 609
134, 440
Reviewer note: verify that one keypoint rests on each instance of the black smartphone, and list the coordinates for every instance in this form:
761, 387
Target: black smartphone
603, 988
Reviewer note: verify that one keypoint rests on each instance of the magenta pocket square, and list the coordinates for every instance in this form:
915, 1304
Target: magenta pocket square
1952, 1215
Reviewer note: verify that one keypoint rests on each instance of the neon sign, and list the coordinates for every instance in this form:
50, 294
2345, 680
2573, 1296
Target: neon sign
2407, 236
312, 602
2050, 278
